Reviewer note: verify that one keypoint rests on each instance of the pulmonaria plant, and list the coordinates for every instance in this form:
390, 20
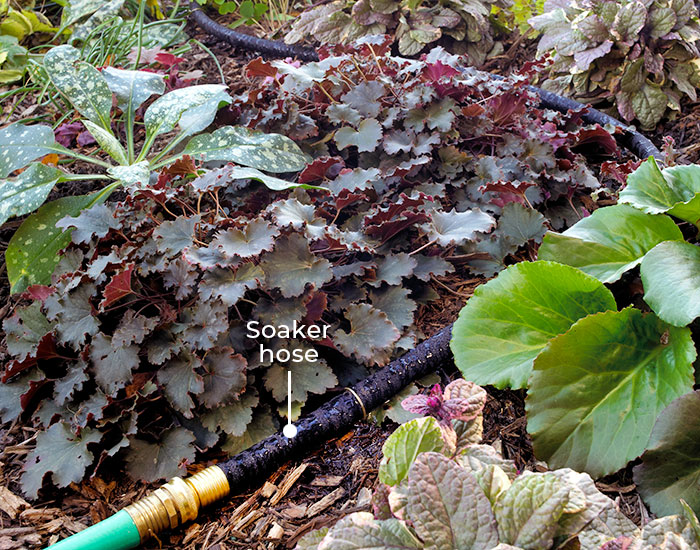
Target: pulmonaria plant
32, 253
433, 498
640, 55
138, 348
463, 25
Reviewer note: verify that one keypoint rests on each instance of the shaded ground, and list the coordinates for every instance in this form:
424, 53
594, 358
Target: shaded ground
332, 481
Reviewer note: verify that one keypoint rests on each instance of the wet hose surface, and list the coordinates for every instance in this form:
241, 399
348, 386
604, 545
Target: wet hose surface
631, 139
336, 417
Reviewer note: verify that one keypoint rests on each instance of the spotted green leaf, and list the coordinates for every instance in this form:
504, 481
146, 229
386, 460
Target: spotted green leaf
81, 83
75, 10
28, 191
192, 108
276, 184
107, 141
270, 152
20, 144
134, 86
33, 251
133, 174
104, 12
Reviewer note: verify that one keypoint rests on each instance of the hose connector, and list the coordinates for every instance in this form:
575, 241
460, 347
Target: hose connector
178, 501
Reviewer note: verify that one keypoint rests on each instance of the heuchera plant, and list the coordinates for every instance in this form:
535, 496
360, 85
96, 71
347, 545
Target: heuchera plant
32, 253
138, 346
641, 55
435, 497
556, 329
464, 24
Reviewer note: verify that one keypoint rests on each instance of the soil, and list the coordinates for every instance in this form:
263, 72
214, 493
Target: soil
332, 481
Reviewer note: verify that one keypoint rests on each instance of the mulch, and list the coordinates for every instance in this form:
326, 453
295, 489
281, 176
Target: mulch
333, 480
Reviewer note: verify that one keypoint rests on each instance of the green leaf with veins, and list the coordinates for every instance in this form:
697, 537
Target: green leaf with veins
446, 506
107, 141
529, 511
671, 276
60, 452
25, 330
20, 144
257, 236
112, 363
28, 191
33, 251
180, 380
263, 425
360, 531
402, 447
610, 241
510, 319
631, 365
166, 459
134, 86
673, 190
192, 108
82, 84
73, 314
670, 468
224, 378
270, 152
292, 265
366, 138
229, 285
394, 301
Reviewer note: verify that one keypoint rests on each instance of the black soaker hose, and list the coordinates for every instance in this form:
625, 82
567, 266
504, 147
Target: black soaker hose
631, 139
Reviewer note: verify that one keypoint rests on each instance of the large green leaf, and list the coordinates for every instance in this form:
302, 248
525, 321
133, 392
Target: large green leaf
446, 506
670, 468
510, 319
33, 251
401, 448
671, 277
134, 86
28, 191
193, 108
674, 190
270, 152
20, 145
596, 390
610, 241
81, 83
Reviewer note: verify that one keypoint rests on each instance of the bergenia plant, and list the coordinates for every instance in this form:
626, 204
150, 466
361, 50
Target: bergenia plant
33, 251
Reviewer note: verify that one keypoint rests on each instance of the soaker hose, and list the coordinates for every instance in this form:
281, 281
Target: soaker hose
179, 500
631, 139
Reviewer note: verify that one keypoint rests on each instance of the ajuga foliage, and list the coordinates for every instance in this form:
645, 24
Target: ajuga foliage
465, 24
641, 55
440, 489
138, 349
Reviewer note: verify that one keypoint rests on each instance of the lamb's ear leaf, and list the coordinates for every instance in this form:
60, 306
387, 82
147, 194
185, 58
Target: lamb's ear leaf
270, 152
81, 83
610, 241
670, 468
361, 530
20, 145
632, 366
33, 251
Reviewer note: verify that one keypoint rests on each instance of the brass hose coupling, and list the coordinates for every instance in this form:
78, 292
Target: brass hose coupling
178, 501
